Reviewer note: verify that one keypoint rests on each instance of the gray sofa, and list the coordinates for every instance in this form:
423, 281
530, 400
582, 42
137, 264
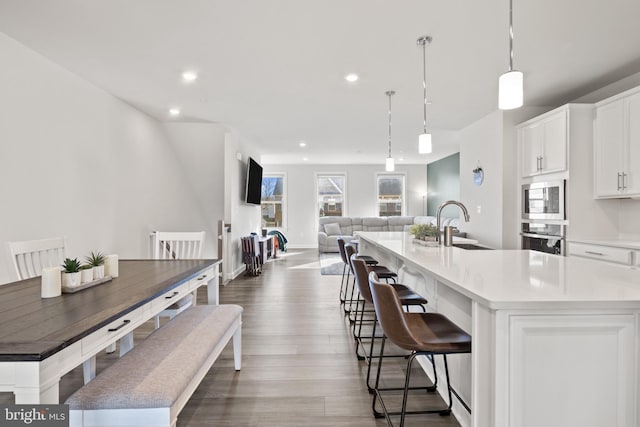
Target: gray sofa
331, 228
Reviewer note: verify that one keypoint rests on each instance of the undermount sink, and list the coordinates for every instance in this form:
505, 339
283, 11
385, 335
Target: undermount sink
470, 246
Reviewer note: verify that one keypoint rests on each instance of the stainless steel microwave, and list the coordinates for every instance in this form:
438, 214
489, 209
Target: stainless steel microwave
543, 200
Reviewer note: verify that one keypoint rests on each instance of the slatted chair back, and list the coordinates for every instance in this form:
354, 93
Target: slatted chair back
178, 245
31, 256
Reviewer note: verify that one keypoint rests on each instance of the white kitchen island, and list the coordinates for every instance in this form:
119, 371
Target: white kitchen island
556, 340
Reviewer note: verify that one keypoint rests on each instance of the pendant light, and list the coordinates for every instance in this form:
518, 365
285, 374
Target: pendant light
510, 84
390, 164
425, 145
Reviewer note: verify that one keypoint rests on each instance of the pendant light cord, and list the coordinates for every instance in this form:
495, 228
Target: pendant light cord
389, 94
510, 35
424, 84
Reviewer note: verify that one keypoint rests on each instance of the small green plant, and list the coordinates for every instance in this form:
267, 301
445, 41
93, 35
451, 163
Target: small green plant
423, 230
95, 259
71, 265
85, 266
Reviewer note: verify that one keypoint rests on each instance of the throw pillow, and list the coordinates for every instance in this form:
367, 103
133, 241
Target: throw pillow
333, 229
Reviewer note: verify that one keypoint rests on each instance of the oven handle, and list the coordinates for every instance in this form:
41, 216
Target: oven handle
542, 236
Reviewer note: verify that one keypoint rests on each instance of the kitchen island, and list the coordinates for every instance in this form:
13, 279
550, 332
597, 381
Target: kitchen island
556, 340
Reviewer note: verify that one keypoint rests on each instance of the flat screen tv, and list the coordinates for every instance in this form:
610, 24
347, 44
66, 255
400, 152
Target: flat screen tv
254, 182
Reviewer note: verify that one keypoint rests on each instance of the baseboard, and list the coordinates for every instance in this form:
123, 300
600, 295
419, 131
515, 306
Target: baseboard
302, 246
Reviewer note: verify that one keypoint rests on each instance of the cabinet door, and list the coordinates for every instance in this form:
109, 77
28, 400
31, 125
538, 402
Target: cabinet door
608, 151
532, 138
632, 146
554, 149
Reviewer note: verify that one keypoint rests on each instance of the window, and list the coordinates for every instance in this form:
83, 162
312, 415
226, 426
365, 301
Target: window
331, 194
273, 200
390, 195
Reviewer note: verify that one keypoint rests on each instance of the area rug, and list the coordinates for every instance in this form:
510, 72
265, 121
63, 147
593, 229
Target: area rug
330, 264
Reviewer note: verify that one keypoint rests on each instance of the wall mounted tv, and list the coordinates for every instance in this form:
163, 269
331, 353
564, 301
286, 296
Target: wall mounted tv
254, 182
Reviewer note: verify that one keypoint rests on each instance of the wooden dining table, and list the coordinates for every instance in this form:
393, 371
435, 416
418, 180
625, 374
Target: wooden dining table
41, 339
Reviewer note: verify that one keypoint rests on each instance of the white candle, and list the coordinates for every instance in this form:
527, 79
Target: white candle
51, 282
111, 265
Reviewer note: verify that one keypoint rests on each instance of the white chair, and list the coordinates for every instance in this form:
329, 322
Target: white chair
177, 245
29, 257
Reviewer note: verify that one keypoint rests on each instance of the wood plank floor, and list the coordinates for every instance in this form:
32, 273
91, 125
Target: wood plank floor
299, 367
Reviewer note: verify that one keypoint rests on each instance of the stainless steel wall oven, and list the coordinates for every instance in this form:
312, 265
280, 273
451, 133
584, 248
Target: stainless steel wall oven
549, 238
543, 200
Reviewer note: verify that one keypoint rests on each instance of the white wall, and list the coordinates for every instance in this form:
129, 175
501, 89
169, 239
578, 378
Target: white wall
491, 142
244, 218
76, 161
302, 230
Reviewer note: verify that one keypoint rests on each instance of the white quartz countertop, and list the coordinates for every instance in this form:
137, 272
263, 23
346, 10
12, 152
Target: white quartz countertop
616, 243
503, 279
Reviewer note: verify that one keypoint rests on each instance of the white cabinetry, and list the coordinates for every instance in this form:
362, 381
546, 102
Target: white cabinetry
544, 143
602, 253
617, 146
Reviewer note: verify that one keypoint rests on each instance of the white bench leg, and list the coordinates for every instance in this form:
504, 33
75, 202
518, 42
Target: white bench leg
89, 369
237, 348
111, 348
156, 322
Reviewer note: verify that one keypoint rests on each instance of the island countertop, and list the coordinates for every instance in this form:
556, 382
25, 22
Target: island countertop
516, 279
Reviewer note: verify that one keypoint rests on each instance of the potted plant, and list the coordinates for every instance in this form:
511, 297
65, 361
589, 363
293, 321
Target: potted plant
71, 273
86, 273
425, 232
96, 260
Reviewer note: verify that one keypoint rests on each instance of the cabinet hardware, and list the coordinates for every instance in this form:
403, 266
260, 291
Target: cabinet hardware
124, 323
540, 168
202, 277
624, 180
619, 181
594, 253
171, 296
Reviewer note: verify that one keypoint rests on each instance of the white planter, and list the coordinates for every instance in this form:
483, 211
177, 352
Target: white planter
71, 280
86, 275
98, 272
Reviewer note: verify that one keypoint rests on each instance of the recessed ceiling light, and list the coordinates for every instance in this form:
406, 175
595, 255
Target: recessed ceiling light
352, 77
189, 76
174, 112
302, 144
305, 158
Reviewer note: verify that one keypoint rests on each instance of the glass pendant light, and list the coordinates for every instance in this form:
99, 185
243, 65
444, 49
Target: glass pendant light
390, 164
425, 145
510, 84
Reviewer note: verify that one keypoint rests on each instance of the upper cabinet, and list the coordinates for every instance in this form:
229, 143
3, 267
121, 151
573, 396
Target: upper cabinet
617, 146
544, 144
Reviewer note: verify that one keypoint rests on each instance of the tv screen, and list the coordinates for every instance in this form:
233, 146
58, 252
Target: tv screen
254, 182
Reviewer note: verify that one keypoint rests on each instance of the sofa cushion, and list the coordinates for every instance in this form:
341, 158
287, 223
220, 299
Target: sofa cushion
375, 224
424, 220
398, 223
333, 229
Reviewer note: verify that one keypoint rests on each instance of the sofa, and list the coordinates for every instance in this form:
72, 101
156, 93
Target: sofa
331, 228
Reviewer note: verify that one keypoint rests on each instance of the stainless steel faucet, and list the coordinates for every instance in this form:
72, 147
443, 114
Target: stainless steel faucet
462, 207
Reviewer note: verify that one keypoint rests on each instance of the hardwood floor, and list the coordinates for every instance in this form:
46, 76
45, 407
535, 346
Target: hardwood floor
299, 367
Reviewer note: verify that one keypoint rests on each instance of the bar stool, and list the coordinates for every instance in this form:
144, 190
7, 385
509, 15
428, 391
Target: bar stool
427, 334
382, 272
345, 260
407, 298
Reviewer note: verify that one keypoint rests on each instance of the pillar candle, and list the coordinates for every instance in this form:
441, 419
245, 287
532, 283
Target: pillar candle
111, 265
51, 282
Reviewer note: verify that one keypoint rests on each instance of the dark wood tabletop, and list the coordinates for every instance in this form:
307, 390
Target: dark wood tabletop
33, 328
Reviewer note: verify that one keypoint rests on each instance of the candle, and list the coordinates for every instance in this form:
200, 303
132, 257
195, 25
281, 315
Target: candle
51, 282
111, 265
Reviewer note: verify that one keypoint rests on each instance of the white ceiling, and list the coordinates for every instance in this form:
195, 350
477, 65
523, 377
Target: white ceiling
273, 69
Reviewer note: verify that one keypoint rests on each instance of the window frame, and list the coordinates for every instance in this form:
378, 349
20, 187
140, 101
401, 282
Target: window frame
318, 175
403, 199
284, 203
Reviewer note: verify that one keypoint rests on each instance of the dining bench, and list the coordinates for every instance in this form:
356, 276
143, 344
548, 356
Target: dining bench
151, 384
